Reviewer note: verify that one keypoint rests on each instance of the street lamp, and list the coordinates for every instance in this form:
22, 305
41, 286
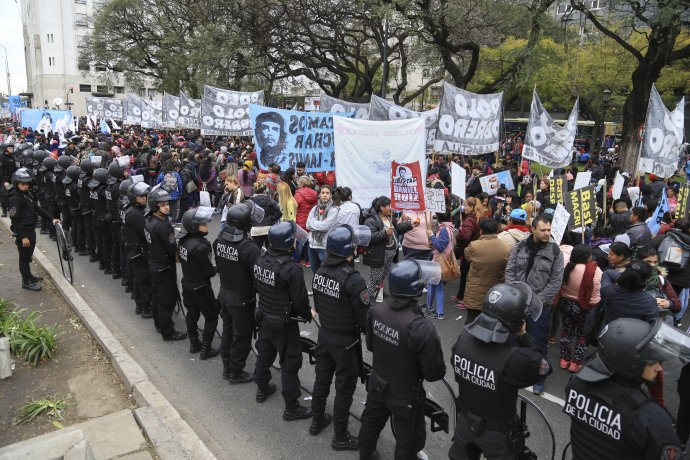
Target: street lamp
7, 70
606, 97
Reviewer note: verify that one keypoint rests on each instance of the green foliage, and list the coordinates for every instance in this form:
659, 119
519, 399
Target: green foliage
51, 406
28, 340
5, 307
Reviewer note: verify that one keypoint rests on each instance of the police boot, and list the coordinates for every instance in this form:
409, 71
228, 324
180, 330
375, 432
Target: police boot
240, 377
226, 365
108, 270
194, 343
174, 335
31, 285
138, 310
83, 252
93, 257
344, 441
295, 411
117, 275
264, 391
372, 456
319, 422
35, 278
207, 351
146, 312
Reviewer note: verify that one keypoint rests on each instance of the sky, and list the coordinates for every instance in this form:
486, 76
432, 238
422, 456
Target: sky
12, 39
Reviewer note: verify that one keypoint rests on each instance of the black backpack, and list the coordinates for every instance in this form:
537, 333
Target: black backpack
595, 321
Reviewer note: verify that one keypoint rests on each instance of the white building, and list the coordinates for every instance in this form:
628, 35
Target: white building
54, 33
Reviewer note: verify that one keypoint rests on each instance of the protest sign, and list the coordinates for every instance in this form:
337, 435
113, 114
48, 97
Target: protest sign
381, 109
32, 118
104, 107
132, 108
435, 200
171, 110
189, 112
365, 149
582, 180
334, 105
682, 206
582, 206
618, 183
663, 137
546, 142
151, 114
286, 137
559, 224
558, 187
407, 187
654, 223
458, 179
468, 123
491, 183
226, 113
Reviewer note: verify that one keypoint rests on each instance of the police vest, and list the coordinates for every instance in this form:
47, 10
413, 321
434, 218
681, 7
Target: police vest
157, 248
26, 215
98, 202
274, 292
394, 362
84, 193
234, 275
112, 195
331, 301
601, 415
191, 267
478, 369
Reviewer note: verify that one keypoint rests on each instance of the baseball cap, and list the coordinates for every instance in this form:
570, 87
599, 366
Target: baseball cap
518, 214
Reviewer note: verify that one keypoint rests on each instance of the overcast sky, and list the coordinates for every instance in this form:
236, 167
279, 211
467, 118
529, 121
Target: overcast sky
12, 39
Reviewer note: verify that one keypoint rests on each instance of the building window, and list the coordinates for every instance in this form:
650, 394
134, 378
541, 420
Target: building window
80, 20
50, 38
152, 93
120, 90
84, 88
564, 9
142, 92
101, 89
51, 61
80, 2
100, 68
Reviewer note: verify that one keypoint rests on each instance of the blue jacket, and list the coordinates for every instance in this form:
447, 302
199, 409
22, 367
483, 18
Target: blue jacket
174, 194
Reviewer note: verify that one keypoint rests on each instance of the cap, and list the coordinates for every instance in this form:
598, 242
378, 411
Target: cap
518, 214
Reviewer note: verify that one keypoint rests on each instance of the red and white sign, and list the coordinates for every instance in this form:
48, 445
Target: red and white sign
407, 187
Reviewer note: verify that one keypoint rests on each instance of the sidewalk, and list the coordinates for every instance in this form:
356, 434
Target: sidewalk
121, 431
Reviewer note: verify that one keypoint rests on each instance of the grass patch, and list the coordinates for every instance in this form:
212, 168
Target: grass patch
28, 340
51, 406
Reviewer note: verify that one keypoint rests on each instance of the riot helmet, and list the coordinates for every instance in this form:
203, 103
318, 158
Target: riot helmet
281, 236
100, 176
87, 166
38, 156
22, 175
71, 174
48, 164
195, 217
27, 158
343, 241
116, 169
157, 195
409, 277
137, 189
64, 162
124, 186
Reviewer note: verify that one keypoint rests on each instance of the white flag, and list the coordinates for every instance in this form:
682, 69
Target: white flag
115, 125
458, 177
44, 125
89, 124
73, 125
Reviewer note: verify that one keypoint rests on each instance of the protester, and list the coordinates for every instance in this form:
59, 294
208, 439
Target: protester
322, 219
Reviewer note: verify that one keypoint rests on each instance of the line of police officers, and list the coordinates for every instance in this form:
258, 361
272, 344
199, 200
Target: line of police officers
491, 359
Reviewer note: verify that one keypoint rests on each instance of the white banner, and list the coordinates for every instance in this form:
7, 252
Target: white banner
458, 178
381, 109
226, 113
335, 105
171, 110
151, 114
189, 112
663, 137
364, 150
133, 105
546, 142
468, 123
104, 107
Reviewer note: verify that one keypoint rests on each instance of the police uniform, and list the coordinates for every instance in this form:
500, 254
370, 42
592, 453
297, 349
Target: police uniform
72, 205
101, 228
87, 238
235, 258
489, 376
160, 236
47, 198
406, 351
137, 257
61, 199
282, 295
7, 168
615, 419
341, 299
197, 293
112, 199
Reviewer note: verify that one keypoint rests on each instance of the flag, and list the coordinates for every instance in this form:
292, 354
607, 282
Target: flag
657, 218
88, 123
44, 125
115, 125
104, 126
73, 125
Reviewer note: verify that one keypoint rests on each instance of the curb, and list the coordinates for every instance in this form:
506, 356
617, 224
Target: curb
171, 436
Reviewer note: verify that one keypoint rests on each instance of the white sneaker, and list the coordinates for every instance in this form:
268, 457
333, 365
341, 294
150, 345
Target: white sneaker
379, 296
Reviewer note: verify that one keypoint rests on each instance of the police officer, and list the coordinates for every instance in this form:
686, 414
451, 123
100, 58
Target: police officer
235, 255
341, 300
72, 205
406, 351
492, 359
23, 209
101, 219
7, 168
60, 171
611, 416
122, 203
160, 236
88, 240
116, 174
197, 270
137, 247
48, 195
282, 298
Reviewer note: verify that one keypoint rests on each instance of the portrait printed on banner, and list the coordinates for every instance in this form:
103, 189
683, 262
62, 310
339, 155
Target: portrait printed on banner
270, 134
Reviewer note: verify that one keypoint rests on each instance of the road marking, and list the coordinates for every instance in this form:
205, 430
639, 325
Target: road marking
553, 399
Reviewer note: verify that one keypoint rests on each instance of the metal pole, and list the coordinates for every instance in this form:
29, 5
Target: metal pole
385, 58
7, 70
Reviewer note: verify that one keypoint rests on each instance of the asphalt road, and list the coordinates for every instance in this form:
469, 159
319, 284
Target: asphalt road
233, 425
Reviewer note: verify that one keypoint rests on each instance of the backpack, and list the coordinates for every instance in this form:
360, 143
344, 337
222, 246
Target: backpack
169, 182
595, 321
673, 252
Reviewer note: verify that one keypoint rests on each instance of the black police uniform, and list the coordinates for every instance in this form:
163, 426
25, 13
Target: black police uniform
406, 351
341, 299
7, 168
101, 228
23, 211
197, 293
137, 256
87, 239
282, 295
72, 205
61, 200
47, 198
235, 258
112, 200
615, 419
489, 376
160, 236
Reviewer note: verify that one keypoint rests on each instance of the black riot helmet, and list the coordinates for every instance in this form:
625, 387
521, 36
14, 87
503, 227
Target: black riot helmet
281, 236
22, 175
343, 241
125, 185
195, 217
157, 195
64, 162
627, 345
409, 277
138, 189
100, 177
23, 146
38, 156
71, 174
239, 216
116, 170
87, 166
27, 158
48, 164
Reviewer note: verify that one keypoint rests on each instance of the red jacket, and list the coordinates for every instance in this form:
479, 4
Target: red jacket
306, 199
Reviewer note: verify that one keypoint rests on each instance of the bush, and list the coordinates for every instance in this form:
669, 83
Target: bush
52, 407
27, 340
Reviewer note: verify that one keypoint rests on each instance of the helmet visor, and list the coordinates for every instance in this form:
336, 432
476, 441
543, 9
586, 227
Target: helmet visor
123, 161
96, 160
257, 212
361, 235
301, 235
429, 271
667, 343
138, 178
140, 188
534, 305
204, 214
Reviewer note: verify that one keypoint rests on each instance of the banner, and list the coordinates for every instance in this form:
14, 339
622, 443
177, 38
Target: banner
546, 142
14, 103
407, 187
381, 109
458, 180
468, 123
365, 149
189, 112
558, 188
133, 104
226, 113
663, 137
682, 206
151, 114
491, 183
171, 110
104, 107
31, 118
334, 105
582, 206
286, 137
